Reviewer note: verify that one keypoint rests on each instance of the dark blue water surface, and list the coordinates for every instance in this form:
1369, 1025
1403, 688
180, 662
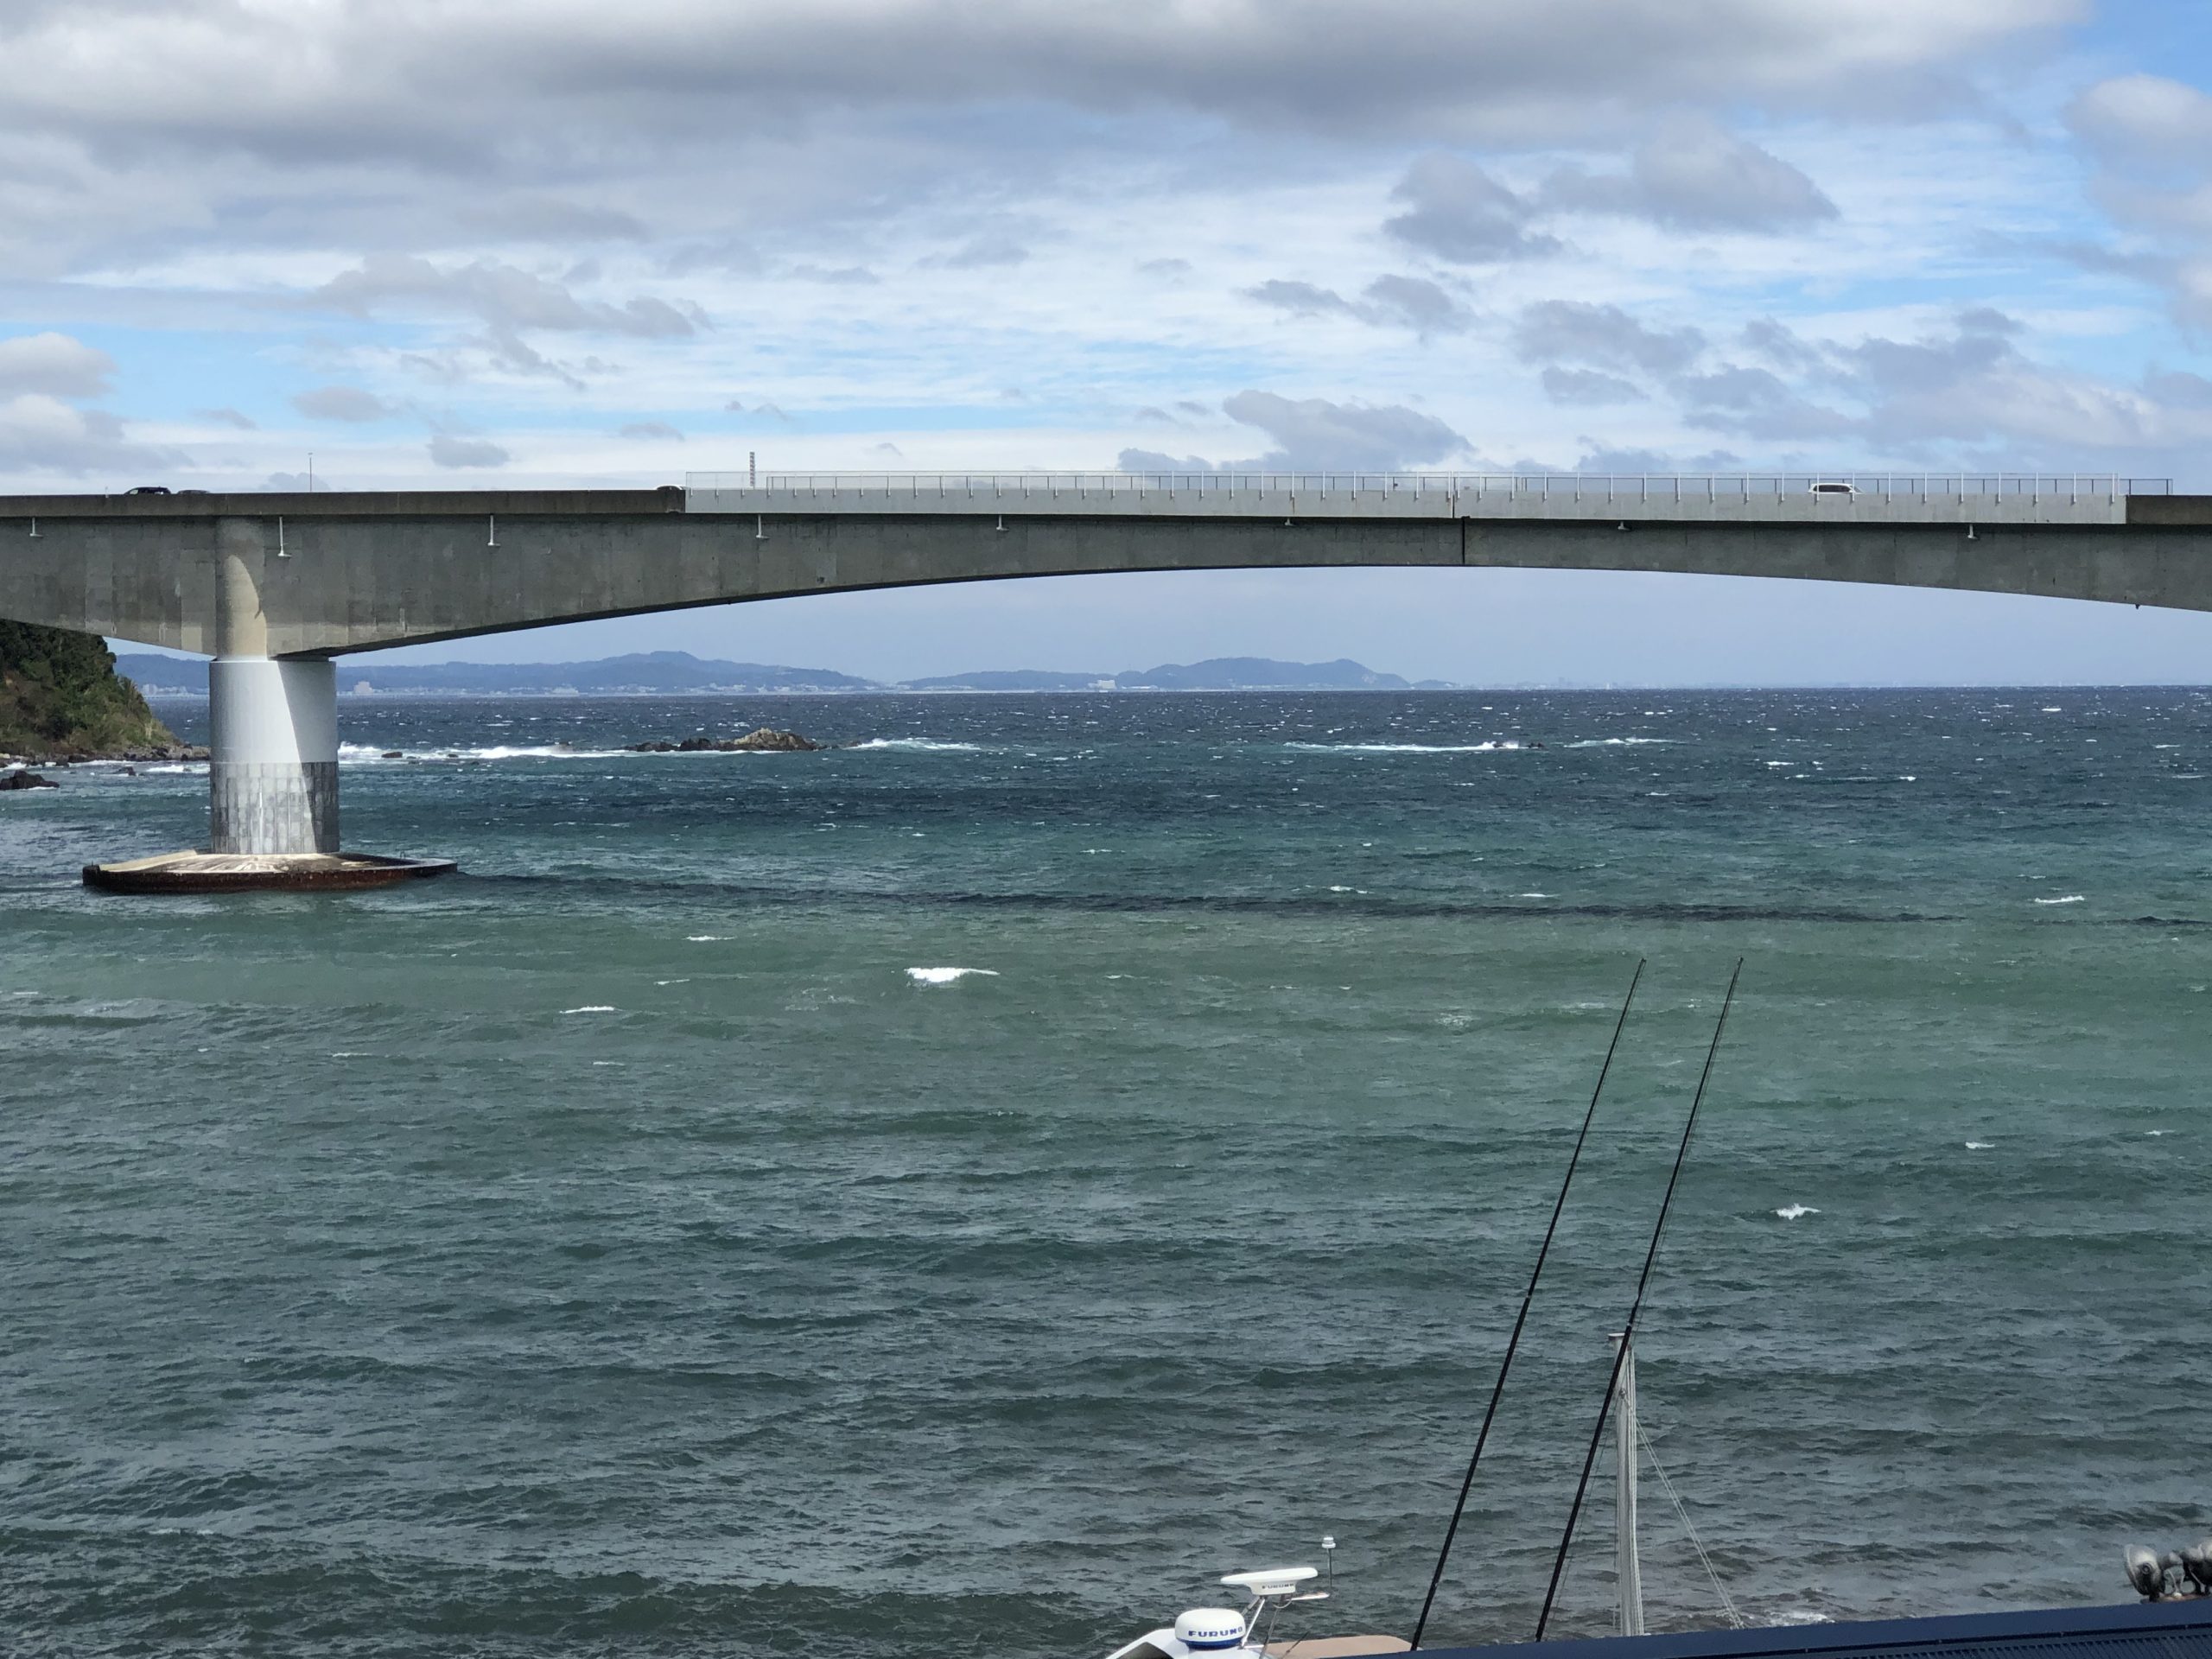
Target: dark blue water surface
621, 1247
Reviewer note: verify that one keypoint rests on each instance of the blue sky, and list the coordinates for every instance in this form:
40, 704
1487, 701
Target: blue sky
470, 244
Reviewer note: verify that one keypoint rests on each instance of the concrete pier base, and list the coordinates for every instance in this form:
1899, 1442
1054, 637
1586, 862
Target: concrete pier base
273, 742
188, 873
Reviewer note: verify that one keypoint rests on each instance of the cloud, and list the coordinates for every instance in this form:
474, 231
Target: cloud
343, 403
1588, 387
649, 432
1461, 214
2145, 120
1756, 403
447, 450
453, 89
985, 252
1415, 301
54, 364
1313, 434
505, 297
1779, 345
230, 418
1403, 301
1300, 299
1164, 268
38, 433
1603, 337
548, 218
1696, 175
1155, 460
2152, 138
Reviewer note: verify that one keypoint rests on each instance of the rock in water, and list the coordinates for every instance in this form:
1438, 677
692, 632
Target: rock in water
26, 780
765, 737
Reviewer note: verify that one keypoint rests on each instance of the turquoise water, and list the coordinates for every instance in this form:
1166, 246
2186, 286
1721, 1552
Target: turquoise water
615, 1248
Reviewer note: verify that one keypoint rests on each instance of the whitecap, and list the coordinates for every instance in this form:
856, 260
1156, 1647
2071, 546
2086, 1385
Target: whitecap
2052, 708
1532, 895
946, 976
1980, 1145
920, 745
591, 1007
1794, 1211
1405, 748
1616, 742
370, 755
2070, 898
704, 938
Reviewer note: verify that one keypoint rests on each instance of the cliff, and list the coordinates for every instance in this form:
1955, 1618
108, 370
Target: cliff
61, 697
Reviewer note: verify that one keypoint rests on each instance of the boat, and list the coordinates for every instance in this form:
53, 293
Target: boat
1251, 1634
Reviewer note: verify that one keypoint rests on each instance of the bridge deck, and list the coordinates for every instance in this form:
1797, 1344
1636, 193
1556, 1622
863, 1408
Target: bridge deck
314, 575
1703, 498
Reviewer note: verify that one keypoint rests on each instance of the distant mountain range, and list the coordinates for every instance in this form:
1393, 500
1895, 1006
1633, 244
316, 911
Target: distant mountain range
678, 672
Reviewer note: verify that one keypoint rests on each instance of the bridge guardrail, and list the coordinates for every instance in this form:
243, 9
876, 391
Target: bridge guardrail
1580, 486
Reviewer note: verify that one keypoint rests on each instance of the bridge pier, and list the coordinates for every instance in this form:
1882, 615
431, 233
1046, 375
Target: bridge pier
272, 745
272, 772
272, 723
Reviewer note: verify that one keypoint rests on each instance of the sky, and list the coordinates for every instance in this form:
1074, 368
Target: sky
458, 243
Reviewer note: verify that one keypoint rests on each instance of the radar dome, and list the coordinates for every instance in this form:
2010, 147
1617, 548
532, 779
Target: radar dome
1210, 1629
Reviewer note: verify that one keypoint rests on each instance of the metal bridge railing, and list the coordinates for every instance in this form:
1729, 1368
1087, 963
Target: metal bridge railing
1703, 486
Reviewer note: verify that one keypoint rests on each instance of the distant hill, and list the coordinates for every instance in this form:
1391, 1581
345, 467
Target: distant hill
1259, 674
1215, 674
1012, 679
680, 673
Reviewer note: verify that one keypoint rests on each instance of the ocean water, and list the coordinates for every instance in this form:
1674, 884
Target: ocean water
649, 1241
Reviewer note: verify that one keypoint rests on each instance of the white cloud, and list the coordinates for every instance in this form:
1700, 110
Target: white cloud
54, 364
1602, 336
41, 434
447, 450
1462, 213
1695, 175
1316, 435
2152, 138
342, 403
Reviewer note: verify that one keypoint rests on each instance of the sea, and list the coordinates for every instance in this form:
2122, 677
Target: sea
963, 1191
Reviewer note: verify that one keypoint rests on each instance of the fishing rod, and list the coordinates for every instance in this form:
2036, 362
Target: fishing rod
1498, 1390
1628, 1331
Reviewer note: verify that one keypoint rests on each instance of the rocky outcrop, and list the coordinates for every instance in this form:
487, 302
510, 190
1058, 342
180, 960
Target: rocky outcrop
765, 737
25, 780
60, 699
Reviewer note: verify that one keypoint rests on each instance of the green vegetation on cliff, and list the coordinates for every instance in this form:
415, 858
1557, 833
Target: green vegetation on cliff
59, 695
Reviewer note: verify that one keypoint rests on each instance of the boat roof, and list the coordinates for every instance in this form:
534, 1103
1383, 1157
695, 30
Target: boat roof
2149, 1629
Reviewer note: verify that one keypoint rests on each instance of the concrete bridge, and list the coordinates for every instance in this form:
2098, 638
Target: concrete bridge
274, 586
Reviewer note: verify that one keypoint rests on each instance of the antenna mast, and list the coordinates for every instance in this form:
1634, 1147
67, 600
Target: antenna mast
1513, 1343
1628, 1329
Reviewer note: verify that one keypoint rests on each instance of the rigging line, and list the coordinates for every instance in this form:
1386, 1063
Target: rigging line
1498, 1390
1628, 1331
1728, 1605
